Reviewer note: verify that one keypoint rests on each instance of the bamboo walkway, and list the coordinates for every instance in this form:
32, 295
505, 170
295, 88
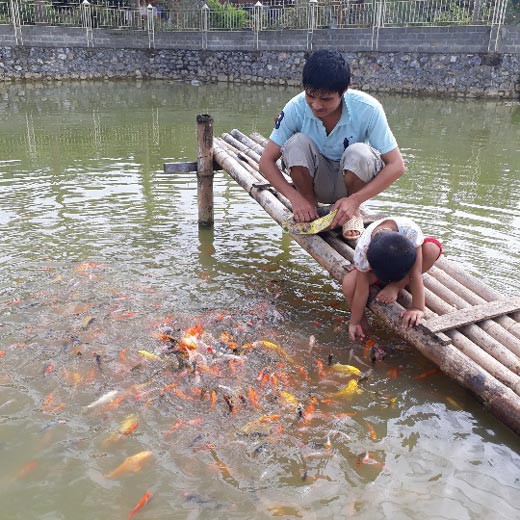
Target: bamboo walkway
471, 332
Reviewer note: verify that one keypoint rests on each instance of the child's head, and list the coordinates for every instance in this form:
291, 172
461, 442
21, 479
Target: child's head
391, 256
326, 71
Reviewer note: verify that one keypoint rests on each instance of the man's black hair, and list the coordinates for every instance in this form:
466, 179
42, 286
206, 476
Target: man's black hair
326, 71
391, 256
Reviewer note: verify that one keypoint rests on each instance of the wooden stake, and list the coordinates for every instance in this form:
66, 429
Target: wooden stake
205, 169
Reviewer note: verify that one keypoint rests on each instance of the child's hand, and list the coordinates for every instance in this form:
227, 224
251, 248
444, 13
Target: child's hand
411, 317
356, 330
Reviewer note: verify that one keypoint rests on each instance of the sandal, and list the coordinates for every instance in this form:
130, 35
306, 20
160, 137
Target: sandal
353, 228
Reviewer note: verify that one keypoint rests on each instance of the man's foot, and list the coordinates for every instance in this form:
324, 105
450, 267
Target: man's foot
388, 294
353, 228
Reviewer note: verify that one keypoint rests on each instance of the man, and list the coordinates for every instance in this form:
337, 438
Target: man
336, 144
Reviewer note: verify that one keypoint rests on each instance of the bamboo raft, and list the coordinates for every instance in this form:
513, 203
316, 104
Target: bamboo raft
471, 332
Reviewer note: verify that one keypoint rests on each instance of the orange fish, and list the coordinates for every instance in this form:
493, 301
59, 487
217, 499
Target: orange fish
393, 372
144, 500
181, 423
253, 397
429, 373
132, 464
373, 434
27, 468
368, 345
213, 398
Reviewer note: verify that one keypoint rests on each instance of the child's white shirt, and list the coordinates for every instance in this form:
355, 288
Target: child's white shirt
405, 226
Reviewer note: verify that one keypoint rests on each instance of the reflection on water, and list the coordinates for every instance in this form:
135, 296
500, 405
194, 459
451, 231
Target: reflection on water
101, 257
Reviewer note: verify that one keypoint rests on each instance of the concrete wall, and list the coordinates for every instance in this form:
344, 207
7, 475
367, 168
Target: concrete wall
433, 60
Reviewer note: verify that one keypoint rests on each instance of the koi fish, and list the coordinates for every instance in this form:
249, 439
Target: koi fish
272, 346
369, 459
132, 464
142, 502
259, 426
288, 399
129, 425
373, 434
350, 389
86, 322
27, 468
253, 398
180, 423
104, 399
346, 369
149, 355
429, 373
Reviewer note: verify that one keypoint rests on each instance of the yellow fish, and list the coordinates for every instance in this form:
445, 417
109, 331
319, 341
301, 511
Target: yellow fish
346, 369
132, 464
350, 389
149, 355
288, 399
272, 346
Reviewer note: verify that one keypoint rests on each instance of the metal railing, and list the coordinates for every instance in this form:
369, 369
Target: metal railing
277, 15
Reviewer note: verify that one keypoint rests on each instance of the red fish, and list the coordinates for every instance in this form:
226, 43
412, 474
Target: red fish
142, 502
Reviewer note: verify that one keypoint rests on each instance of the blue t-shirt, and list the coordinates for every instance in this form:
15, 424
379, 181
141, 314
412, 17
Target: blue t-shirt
363, 120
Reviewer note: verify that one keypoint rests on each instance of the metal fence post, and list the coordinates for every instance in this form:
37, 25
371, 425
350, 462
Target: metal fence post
17, 24
499, 13
257, 21
150, 24
204, 25
86, 21
312, 20
377, 23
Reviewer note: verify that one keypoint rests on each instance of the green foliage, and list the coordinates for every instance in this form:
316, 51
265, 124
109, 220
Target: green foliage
226, 16
513, 12
454, 14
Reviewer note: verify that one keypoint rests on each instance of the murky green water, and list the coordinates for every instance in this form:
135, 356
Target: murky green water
101, 257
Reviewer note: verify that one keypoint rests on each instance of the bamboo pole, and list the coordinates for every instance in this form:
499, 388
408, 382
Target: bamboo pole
473, 332
253, 154
493, 327
314, 245
205, 171
259, 149
245, 163
480, 288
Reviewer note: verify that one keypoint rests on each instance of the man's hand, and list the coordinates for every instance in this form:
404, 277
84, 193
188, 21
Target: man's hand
303, 210
356, 331
347, 207
411, 317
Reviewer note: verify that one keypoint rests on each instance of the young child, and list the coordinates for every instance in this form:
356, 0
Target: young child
393, 253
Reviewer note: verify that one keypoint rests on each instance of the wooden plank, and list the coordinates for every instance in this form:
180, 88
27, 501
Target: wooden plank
180, 167
185, 167
484, 311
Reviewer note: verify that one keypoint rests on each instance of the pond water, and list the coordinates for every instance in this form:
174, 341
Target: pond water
198, 340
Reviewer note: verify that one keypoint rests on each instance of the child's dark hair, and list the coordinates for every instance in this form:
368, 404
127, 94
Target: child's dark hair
326, 71
391, 256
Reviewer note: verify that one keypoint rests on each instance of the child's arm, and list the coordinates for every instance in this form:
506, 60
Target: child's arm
359, 302
415, 313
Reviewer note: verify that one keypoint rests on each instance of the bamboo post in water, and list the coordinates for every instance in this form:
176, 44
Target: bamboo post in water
205, 169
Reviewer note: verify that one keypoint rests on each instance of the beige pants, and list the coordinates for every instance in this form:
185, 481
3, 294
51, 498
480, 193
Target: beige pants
359, 158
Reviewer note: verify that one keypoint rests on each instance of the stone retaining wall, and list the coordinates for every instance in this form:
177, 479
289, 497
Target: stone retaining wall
430, 60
